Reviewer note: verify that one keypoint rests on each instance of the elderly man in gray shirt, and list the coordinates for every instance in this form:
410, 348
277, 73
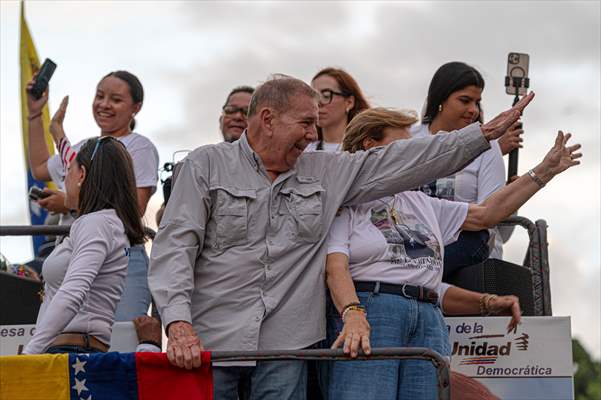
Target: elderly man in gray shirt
239, 256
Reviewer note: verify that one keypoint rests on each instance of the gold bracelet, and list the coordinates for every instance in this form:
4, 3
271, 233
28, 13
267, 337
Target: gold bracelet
485, 300
352, 308
483, 303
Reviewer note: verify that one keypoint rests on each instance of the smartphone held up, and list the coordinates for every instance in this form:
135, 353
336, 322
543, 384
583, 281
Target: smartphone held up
43, 78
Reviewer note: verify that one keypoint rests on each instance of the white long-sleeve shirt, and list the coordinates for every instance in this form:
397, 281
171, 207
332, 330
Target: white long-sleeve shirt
85, 276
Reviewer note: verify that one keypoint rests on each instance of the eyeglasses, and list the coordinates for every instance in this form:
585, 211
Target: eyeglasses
231, 110
98, 141
327, 95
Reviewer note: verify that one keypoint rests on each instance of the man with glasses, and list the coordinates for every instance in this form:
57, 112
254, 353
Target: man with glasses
232, 121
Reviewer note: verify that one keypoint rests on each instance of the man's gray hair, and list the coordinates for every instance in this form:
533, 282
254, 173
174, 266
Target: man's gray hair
278, 92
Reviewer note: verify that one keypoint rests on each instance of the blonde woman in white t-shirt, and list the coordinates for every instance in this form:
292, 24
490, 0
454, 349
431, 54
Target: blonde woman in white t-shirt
85, 274
118, 98
385, 263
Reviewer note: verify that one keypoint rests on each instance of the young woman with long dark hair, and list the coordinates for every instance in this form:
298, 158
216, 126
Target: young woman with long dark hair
453, 103
85, 274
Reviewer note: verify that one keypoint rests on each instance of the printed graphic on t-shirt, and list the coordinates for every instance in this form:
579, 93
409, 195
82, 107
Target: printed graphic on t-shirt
443, 188
411, 244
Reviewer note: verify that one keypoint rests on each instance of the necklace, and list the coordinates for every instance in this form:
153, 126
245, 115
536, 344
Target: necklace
391, 209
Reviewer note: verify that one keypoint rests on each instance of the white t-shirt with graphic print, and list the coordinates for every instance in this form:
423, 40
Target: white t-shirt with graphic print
473, 184
143, 153
401, 246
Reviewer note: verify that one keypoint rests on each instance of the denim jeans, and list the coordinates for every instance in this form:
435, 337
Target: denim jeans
67, 348
395, 322
470, 248
135, 299
268, 380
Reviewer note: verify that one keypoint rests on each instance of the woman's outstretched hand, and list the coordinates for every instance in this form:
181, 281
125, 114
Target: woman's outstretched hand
561, 156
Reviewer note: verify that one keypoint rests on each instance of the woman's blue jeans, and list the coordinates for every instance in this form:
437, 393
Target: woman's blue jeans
471, 248
135, 299
68, 348
395, 322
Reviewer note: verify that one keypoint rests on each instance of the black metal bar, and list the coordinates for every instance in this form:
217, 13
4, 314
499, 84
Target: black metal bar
47, 230
537, 260
384, 353
512, 165
541, 229
30, 230
521, 221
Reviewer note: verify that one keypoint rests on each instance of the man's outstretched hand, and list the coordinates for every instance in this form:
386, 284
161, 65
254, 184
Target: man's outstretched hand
496, 127
184, 345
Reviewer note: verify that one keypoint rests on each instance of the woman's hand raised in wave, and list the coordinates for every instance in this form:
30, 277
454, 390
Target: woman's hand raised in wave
56, 124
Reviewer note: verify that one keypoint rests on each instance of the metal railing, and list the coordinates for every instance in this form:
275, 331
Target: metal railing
383, 353
48, 230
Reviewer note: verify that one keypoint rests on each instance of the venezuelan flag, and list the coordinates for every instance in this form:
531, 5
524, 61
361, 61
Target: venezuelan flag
115, 376
30, 63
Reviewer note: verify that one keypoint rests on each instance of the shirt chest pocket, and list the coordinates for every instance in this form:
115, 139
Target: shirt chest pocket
305, 203
231, 215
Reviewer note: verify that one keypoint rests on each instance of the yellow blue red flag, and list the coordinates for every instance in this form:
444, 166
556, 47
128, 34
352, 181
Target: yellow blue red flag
115, 376
30, 63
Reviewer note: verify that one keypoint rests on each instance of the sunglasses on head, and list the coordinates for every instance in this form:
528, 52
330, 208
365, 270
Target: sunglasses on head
102, 139
98, 141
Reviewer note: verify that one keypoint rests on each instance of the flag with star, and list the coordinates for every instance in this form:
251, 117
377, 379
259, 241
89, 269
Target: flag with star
115, 376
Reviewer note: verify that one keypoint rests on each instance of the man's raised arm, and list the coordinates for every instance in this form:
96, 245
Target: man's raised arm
407, 164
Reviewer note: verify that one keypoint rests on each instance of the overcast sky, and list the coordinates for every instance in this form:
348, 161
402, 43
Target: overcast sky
189, 55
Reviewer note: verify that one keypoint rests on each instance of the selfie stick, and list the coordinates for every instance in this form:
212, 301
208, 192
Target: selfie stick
516, 82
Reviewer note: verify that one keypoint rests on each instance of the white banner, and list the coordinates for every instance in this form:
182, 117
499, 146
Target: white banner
14, 337
534, 361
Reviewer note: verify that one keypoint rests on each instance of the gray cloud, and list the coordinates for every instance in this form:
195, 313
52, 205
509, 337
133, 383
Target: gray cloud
394, 60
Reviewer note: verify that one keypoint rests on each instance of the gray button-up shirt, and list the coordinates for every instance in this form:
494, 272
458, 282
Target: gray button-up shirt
242, 257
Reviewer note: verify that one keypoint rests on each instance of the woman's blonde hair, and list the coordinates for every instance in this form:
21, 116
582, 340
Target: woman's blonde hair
371, 123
